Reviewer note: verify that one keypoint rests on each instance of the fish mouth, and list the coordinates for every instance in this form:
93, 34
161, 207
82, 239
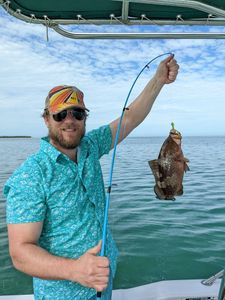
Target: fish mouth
175, 134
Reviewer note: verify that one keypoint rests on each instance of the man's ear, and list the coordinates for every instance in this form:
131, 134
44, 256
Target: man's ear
46, 120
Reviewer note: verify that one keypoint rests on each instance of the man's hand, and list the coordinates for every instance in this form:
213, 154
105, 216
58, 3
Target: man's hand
167, 70
92, 270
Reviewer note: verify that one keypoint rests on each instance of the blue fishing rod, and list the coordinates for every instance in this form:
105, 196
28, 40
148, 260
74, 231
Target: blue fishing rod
99, 294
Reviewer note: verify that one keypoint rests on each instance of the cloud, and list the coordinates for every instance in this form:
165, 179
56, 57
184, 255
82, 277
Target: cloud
105, 71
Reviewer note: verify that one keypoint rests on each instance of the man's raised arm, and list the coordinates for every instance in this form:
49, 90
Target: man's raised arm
138, 110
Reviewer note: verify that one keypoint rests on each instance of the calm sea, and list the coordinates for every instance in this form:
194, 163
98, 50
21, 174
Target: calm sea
157, 239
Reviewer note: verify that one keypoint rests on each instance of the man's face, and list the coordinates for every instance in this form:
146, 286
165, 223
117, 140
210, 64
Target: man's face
67, 133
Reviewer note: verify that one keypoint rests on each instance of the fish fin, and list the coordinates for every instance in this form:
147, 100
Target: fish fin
186, 168
170, 198
180, 192
154, 165
159, 193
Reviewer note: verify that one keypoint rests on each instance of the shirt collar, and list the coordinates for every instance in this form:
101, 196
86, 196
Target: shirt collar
49, 149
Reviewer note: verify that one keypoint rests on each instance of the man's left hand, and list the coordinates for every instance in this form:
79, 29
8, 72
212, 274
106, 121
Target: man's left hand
167, 70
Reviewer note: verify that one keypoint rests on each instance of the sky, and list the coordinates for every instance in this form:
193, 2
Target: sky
105, 70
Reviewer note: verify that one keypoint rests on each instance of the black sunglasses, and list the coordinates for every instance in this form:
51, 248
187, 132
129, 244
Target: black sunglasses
77, 113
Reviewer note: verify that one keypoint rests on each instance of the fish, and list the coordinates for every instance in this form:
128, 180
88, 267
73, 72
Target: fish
169, 168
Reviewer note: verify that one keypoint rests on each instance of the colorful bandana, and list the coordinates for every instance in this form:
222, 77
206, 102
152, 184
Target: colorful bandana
64, 97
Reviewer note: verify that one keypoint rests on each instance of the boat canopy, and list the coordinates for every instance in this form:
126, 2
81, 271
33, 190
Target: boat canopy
53, 14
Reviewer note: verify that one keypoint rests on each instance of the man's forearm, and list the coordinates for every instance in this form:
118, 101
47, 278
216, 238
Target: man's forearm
89, 270
137, 110
37, 262
141, 106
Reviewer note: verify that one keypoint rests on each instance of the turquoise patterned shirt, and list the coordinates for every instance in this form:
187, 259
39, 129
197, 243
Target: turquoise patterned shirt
69, 199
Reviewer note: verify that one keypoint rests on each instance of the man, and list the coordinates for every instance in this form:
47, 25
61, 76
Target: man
55, 200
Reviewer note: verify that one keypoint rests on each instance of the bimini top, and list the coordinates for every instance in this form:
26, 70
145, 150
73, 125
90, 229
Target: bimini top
53, 13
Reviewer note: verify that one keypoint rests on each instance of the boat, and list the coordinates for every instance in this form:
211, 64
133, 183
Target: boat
132, 12
192, 289
212, 288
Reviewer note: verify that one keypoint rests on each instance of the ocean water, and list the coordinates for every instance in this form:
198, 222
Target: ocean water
157, 239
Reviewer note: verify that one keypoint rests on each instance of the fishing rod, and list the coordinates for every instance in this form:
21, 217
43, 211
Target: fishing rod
113, 160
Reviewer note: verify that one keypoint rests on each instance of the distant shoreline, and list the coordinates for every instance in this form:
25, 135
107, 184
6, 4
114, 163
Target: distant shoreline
14, 136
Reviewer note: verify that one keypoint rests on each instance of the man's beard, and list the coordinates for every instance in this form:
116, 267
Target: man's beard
57, 138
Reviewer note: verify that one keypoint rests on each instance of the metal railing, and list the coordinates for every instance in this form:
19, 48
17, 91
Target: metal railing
213, 278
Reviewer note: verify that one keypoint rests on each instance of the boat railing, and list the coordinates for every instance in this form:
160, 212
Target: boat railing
213, 278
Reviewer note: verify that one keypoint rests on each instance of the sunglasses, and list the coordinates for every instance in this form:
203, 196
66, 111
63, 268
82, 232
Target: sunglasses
77, 113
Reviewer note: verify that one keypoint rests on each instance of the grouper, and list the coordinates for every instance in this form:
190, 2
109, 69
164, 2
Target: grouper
169, 168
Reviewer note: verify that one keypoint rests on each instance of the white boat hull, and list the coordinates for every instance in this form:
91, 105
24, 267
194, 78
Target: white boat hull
163, 290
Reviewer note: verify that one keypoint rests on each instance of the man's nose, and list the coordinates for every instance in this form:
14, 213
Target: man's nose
69, 116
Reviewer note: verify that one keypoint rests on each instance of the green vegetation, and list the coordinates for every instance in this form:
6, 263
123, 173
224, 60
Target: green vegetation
15, 136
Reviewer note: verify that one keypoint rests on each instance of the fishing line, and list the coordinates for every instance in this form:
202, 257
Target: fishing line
113, 160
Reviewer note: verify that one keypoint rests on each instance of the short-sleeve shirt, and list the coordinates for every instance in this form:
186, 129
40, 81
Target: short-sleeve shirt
69, 198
